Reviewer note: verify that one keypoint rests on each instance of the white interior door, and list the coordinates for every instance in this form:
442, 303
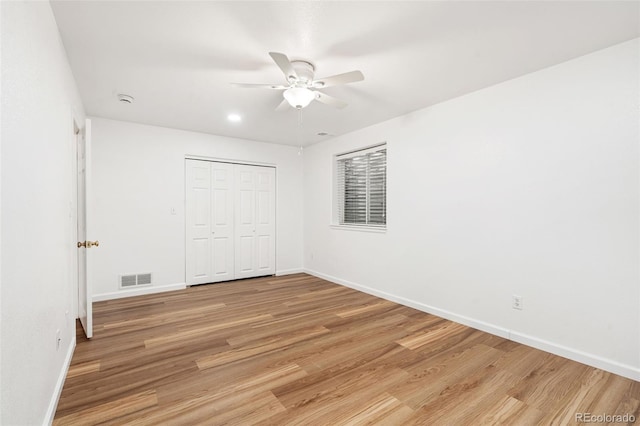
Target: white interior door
85, 311
255, 221
198, 222
230, 221
222, 220
265, 221
245, 219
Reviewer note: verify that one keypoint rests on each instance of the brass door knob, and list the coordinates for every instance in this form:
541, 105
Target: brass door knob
82, 244
93, 244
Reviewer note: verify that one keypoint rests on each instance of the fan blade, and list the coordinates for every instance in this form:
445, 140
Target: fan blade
284, 105
330, 100
259, 86
285, 65
334, 80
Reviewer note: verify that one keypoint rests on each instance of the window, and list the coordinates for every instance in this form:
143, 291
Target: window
361, 190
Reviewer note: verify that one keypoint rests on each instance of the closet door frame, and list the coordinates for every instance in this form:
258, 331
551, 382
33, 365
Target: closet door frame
259, 271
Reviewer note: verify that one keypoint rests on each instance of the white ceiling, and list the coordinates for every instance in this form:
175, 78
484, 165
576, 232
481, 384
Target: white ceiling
177, 58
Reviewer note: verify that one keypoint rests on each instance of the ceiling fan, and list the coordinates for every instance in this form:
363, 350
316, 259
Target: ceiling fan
301, 87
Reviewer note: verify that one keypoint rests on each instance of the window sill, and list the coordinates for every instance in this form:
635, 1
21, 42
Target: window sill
361, 228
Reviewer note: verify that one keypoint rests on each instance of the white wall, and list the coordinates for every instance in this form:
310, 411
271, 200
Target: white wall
529, 187
39, 98
138, 177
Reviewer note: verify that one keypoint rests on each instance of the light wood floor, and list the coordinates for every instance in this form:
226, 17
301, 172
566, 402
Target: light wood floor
298, 350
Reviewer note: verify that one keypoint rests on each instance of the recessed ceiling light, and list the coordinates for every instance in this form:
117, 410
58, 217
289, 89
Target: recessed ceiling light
323, 134
234, 118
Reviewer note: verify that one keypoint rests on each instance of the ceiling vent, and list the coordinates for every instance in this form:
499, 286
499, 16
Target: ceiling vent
125, 98
134, 280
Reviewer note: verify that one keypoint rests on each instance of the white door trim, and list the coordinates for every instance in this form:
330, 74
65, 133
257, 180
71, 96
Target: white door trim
186, 209
85, 299
230, 161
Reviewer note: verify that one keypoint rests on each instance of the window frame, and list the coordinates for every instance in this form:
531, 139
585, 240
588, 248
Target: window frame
336, 198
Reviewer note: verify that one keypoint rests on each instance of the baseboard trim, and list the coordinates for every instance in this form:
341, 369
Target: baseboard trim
138, 292
554, 348
479, 325
55, 398
615, 367
289, 272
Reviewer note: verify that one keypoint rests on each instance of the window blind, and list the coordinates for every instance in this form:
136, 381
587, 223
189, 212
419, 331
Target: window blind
362, 187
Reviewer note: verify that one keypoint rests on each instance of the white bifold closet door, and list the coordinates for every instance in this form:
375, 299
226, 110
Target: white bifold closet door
230, 221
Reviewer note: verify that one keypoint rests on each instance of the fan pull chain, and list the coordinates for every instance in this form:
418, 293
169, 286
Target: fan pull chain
300, 130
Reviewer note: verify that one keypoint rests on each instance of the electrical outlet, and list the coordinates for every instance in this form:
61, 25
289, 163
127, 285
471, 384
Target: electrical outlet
58, 340
517, 302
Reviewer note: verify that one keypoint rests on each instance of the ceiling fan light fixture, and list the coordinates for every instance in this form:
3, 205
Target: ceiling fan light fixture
299, 97
301, 84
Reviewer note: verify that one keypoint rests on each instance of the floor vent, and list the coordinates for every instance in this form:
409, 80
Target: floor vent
135, 280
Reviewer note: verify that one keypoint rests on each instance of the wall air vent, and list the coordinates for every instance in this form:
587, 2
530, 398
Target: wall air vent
127, 281
135, 280
144, 279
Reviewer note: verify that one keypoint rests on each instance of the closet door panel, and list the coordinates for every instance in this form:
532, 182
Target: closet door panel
265, 220
222, 219
246, 261
201, 267
264, 252
198, 218
245, 217
221, 247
